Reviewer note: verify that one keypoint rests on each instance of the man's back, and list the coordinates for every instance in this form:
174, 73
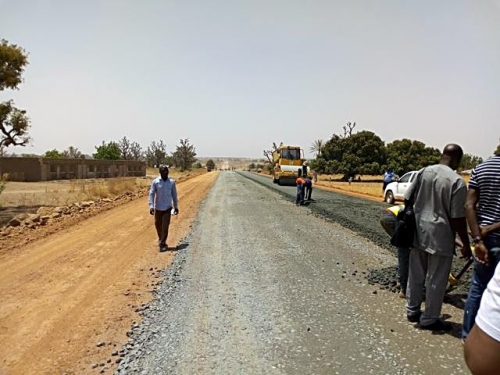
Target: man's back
440, 198
486, 179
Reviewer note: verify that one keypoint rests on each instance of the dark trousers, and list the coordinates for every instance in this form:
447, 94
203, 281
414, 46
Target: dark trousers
162, 222
308, 191
300, 194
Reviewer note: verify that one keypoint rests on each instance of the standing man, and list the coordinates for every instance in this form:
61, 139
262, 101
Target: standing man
389, 176
388, 220
439, 196
483, 215
162, 196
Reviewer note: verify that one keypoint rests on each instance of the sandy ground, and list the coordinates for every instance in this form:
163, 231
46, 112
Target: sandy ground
69, 299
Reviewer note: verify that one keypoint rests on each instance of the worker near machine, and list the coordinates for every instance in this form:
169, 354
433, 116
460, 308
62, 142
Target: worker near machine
308, 189
301, 184
388, 220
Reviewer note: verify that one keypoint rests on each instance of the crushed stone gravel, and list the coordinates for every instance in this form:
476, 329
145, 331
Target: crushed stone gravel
264, 287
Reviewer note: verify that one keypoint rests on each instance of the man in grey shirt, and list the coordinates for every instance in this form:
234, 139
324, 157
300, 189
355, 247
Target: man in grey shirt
439, 202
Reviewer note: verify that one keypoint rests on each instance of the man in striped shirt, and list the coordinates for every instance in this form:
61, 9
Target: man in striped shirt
162, 196
483, 215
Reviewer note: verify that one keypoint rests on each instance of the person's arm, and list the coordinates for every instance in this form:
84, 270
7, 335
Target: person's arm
152, 191
482, 347
458, 220
174, 197
460, 226
487, 229
471, 214
482, 353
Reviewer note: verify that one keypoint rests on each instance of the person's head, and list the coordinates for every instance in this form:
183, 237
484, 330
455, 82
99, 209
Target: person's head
452, 155
164, 172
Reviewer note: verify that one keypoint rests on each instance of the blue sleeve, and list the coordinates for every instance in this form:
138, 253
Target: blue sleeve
174, 195
152, 191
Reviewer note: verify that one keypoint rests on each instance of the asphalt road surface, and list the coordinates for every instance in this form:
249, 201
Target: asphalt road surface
264, 287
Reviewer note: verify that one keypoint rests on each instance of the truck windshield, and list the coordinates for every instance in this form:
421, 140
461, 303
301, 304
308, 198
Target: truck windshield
290, 154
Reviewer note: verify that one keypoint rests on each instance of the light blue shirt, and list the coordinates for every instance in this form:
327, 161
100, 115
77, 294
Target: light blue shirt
162, 194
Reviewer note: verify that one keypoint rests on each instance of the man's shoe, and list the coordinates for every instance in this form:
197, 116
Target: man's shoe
414, 318
163, 248
402, 294
437, 326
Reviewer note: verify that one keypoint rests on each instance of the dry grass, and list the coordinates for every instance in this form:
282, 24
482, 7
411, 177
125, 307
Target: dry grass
29, 195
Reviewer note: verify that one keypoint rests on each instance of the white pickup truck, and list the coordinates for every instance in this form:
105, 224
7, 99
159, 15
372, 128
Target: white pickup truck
397, 189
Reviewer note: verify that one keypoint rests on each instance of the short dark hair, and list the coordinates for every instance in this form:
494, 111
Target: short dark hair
454, 151
163, 168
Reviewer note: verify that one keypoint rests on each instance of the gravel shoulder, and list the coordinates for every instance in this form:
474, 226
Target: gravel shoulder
265, 287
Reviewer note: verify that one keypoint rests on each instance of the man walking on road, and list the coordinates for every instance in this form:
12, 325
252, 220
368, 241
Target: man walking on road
483, 215
162, 196
439, 196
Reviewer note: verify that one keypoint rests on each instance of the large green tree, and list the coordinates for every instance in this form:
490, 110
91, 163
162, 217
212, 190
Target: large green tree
108, 151
14, 123
184, 155
350, 154
405, 155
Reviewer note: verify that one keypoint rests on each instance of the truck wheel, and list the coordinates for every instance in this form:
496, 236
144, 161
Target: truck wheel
389, 197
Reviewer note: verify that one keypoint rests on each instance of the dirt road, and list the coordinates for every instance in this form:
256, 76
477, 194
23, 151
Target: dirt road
265, 287
68, 300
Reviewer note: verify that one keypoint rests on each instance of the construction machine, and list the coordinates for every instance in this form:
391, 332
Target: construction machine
286, 161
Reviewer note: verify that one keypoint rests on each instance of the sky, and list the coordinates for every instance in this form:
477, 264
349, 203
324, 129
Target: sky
234, 76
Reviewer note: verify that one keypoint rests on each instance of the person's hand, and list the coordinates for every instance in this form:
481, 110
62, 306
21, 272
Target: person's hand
176, 211
151, 211
481, 253
466, 252
483, 230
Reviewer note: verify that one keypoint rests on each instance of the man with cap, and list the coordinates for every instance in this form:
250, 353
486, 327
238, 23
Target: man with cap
162, 197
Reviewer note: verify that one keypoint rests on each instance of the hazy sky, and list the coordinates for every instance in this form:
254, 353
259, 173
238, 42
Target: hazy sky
233, 76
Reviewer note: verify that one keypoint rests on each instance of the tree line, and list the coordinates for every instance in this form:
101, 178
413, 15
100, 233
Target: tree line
353, 153
15, 123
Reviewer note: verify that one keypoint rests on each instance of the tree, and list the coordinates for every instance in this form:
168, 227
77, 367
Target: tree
469, 161
317, 147
210, 164
14, 123
130, 150
54, 154
72, 153
156, 154
351, 154
184, 155
405, 155
109, 151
